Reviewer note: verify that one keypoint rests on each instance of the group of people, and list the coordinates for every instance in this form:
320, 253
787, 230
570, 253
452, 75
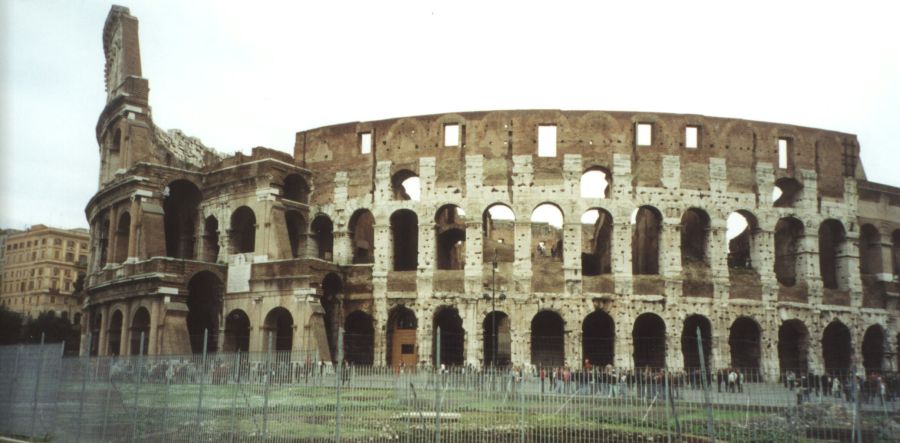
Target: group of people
873, 387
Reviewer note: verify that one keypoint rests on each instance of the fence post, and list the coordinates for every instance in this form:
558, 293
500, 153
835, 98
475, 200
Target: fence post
339, 380
199, 429
265, 432
84, 374
710, 427
37, 386
137, 389
236, 380
437, 385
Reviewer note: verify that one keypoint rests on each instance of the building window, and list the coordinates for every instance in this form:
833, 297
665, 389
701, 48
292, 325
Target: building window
783, 146
70, 257
57, 241
691, 137
644, 134
547, 141
451, 135
365, 142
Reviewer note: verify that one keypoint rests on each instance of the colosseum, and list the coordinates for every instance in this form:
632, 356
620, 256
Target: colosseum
526, 237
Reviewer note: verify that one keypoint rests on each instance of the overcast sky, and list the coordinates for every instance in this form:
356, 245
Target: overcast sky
246, 74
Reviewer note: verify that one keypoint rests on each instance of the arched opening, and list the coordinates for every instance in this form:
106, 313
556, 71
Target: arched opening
744, 341
649, 338
450, 228
690, 352
204, 308
332, 290
94, 327
211, 239
362, 236
598, 338
596, 242
836, 348
114, 334
833, 255
182, 198
323, 235
873, 349
547, 340
406, 185
401, 338
869, 251
103, 239
499, 225
243, 230
694, 238
296, 229
496, 339
793, 347
122, 237
647, 225
595, 183
140, 324
786, 192
296, 188
405, 240
788, 232
279, 324
546, 233
452, 337
741, 229
237, 332
359, 339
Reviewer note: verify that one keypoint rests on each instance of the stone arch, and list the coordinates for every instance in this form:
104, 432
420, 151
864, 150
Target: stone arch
596, 181
211, 239
402, 350
694, 238
742, 241
598, 338
140, 324
452, 337
690, 352
295, 188
548, 339
793, 346
279, 325
833, 265
496, 339
296, 229
243, 230
362, 236
322, 230
786, 192
596, 242
406, 185
114, 333
237, 332
180, 207
450, 237
745, 341
123, 231
204, 304
873, 348
405, 240
645, 240
546, 233
359, 339
499, 233
649, 338
837, 348
788, 234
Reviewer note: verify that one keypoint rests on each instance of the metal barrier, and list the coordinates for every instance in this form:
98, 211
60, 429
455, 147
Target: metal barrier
291, 396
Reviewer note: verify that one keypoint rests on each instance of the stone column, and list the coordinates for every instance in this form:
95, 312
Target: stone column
155, 315
343, 248
474, 257
132, 228
522, 264
124, 335
572, 255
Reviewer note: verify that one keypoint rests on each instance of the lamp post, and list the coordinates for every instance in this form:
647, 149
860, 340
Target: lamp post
492, 297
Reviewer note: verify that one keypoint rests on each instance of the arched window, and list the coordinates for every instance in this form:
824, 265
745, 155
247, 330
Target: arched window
406, 185
647, 224
362, 236
694, 238
596, 242
211, 239
786, 192
323, 234
204, 305
123, 229
595, 183
499, 226
450, 230
405, 240
833, 255
243, 230
741, 231
295, 188
788, 232
181, 203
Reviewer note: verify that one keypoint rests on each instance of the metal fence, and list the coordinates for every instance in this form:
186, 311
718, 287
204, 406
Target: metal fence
290, 396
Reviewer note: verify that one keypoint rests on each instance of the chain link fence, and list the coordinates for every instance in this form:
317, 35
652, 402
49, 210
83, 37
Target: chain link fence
292, 396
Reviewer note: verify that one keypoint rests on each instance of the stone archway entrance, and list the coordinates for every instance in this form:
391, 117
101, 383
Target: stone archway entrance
401, 338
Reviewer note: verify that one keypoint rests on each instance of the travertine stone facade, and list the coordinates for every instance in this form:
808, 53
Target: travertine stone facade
389, 229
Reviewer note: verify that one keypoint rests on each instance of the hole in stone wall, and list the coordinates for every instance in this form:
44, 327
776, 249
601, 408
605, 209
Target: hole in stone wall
450, 229
783, 147
496, 336
546, 232
833, 254
365, 142
596, 242
744, 340
406, 185
323, 235
793, 346
122, 237
645, 238
691, 137
788, 232
595, 183
547, 340
451, 135
694, 238
280, 324
644, 134
182, 200
140, 324
836, 349
243, 230
296, 229
204, 305
295, 188
359, 339
598, 339
786, 192
405, 234
401, 338
547, 141
332, 295
452, 336
689, 349
649, 337
499, 230
211, 239
237, 332
114, 334
873, 348
362, 240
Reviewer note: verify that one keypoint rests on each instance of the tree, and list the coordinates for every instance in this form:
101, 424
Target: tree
10, 326
55, 329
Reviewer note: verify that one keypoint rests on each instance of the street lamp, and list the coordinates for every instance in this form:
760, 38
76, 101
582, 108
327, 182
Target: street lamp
492, 297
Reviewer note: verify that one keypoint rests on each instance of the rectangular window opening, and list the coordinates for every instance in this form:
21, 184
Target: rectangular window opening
782, 153
451, 135
690, 137
365, 142
644, 134
547, 141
